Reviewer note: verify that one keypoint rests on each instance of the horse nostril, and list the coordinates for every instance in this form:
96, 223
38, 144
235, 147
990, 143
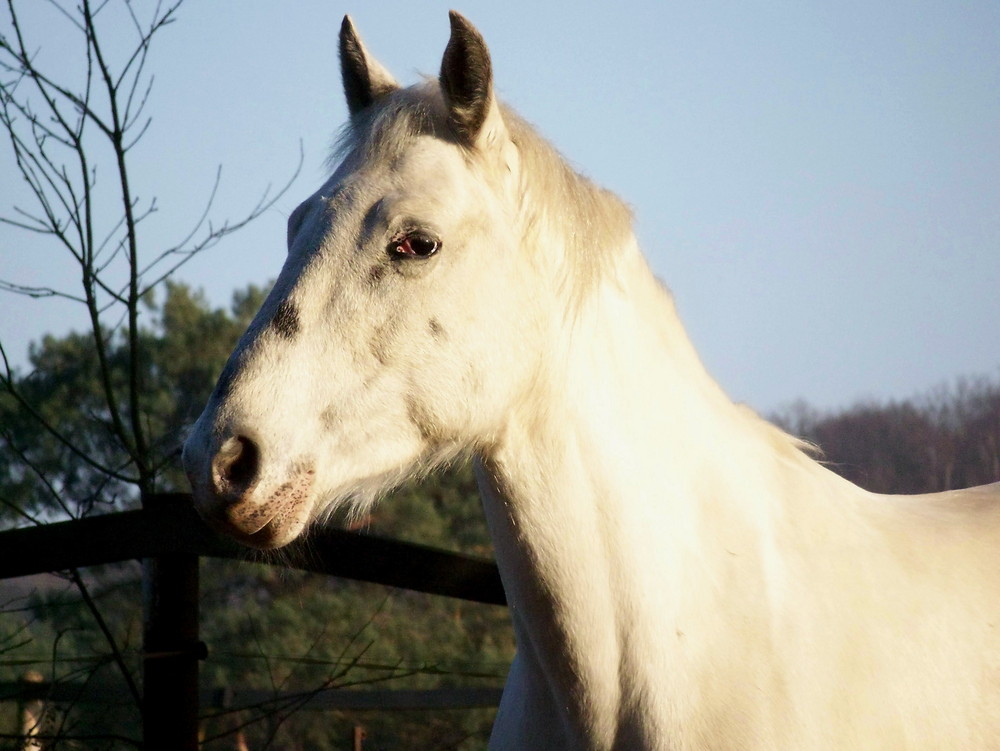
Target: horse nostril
235, 467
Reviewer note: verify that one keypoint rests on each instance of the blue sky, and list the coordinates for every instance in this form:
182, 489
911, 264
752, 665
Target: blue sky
817, 183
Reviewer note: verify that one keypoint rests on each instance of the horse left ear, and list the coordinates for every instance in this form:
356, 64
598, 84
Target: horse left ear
467, 83
365, 80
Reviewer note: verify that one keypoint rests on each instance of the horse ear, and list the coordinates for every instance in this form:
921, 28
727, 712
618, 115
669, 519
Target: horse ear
365, 80
467, 81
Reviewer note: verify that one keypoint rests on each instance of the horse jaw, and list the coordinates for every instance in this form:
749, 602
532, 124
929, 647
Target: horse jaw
257, 486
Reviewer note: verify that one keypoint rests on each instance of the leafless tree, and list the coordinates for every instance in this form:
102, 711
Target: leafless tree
59, 135
63, 134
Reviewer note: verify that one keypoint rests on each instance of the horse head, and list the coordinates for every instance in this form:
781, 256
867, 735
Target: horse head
401, 327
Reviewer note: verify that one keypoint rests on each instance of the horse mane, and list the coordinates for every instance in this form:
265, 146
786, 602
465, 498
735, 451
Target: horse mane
557, 205
592, 224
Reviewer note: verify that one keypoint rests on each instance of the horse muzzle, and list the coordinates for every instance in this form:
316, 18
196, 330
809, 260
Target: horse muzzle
235, 494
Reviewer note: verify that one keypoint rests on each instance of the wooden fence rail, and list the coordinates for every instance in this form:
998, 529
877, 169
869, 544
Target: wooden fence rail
168, 526
169, 538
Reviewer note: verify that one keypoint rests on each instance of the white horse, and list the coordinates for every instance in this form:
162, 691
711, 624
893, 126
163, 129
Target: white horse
680, 574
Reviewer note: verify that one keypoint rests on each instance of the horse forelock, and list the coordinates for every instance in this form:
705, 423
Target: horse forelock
560, 212
384, 130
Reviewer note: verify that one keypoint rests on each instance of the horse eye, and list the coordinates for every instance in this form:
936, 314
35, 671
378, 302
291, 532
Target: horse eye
414, 246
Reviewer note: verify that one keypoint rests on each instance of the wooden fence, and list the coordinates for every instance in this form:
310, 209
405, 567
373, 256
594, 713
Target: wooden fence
169, 538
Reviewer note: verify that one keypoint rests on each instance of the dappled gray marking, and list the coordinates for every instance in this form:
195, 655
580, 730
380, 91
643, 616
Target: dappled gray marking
436, 329
285, 322
375, 274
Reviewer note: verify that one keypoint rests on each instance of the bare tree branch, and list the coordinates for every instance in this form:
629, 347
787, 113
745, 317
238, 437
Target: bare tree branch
7, 382
37, 471
46, 87
102, 624
184, 253
37, 292
64, 134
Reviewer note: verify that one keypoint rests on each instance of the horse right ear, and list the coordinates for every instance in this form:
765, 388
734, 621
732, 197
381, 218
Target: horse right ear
467, 84
365, 80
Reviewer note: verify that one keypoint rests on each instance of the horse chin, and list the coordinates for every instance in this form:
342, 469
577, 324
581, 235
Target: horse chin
261, 518
262, 532
273, 535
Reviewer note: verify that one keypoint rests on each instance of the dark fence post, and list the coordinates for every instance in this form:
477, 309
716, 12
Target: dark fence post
171, 651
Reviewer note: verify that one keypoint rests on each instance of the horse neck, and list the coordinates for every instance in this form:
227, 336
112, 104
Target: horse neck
624, 421
605, 490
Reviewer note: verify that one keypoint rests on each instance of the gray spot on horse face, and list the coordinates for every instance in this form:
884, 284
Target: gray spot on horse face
437, 330
285, 322
330, 418
379, 347
422, 421
380, 344
375, 274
